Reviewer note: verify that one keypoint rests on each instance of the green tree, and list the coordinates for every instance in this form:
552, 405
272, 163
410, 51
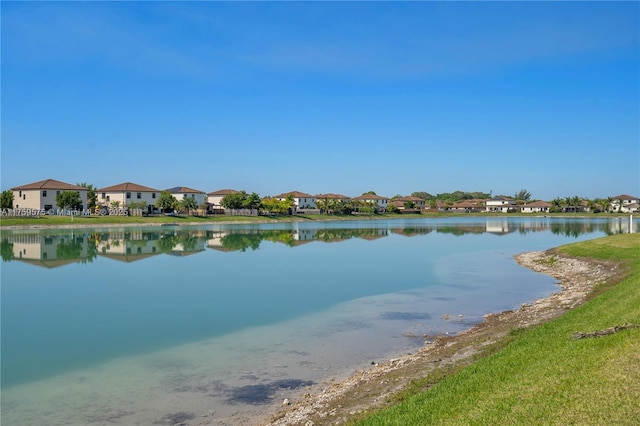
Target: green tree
166, 202
252, 201
392, 208
6, 199
234, 201
421, 194
523, 195
92, 197
409, 205
188, 204
69, 200
369, 192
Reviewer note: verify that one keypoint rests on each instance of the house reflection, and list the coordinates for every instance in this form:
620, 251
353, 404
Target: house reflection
58, 248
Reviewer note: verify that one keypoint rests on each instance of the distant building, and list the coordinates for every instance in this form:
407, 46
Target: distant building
182, 192
214, 198
42, 194
380, 202
301, 200
536, 207
127, 193
625, 203
500, 205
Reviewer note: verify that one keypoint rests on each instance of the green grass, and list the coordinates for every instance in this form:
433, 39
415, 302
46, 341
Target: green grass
543, 375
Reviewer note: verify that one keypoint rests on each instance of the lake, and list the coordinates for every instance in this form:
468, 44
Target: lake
167, 324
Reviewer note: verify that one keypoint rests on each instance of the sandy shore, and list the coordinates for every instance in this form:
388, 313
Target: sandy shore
334, 401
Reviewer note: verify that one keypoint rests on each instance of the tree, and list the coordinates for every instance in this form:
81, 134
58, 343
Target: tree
188, 203
421, 194
234, 201
369, 192
523, 195
409, 205
252, 201
6, 199
92, 197
69, 200
166, 201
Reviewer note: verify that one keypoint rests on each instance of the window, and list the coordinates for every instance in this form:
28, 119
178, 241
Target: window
128, 195
48, 206
58, 192
104, 195
139, 195
19, 194
153, 195
44, 193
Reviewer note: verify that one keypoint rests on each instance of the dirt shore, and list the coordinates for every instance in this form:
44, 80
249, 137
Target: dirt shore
334, 402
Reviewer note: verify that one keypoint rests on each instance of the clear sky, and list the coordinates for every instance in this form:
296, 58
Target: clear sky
342, 97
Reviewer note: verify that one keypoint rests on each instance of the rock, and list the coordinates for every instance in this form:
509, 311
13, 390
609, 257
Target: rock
286, 402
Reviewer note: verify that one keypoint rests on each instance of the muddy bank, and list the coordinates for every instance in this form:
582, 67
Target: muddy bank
335, 401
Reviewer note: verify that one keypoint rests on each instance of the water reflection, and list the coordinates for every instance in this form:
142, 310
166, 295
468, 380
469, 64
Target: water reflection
42, 248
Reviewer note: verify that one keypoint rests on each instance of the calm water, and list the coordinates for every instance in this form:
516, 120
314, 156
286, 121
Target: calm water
166, 324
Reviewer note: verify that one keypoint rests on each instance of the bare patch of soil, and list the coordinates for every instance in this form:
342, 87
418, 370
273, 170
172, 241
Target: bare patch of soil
336, 402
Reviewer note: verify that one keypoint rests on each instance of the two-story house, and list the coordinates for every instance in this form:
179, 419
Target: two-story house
41, 195
625, 204
126, 193
500, 204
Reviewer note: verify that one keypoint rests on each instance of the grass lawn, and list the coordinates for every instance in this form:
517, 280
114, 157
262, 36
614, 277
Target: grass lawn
544, 375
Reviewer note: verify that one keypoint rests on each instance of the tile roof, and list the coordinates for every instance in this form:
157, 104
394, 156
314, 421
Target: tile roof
127, 186
296, 194
49, 184
332, 196
370, 197
223, 192
183, 190
624, 197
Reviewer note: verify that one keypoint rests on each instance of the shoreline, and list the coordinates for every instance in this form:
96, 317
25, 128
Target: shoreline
336, 400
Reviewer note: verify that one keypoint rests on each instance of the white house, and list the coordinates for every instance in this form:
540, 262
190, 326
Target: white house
215, 197
380, 202
536, 207
42, 194
301, 200
127, 193
625, 204
182, 192
500, 204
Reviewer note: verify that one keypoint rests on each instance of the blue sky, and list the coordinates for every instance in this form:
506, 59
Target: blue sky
341, 97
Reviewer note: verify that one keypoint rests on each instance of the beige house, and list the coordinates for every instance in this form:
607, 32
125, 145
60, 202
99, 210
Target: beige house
182, 192
41, 195
126, 193
214, 198
418, 202
536, 207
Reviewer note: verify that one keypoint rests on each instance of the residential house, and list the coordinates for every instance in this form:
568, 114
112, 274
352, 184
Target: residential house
126, 193
41, 195
182, 192
301, 200
536, 207
214, 198
419, 203
466, 207
625, 203
379, 201
501, 204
